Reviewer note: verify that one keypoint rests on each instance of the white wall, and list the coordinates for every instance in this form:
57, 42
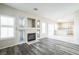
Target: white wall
76, 20
6, 10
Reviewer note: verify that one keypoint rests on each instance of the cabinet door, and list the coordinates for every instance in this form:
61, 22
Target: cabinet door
22, 35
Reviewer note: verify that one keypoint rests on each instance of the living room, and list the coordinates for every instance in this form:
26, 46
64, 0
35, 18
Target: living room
32, 28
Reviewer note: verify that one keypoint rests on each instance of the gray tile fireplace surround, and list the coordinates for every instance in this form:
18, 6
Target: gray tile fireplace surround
43, 47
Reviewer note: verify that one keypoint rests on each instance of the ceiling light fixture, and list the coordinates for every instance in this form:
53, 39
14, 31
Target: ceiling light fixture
35, 9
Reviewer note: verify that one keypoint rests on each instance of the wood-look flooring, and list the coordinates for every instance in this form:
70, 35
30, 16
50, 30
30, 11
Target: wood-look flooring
43, 47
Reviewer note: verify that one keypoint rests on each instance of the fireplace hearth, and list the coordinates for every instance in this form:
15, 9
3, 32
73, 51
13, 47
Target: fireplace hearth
31, 36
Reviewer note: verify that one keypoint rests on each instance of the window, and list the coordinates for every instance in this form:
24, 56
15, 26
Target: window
7, 27
50, 29
64, 28
43, 27
8, 21
3, 32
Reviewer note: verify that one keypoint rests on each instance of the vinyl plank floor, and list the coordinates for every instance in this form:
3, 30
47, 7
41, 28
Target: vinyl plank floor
43, 47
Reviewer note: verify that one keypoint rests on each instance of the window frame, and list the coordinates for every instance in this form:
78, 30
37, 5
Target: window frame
7, 26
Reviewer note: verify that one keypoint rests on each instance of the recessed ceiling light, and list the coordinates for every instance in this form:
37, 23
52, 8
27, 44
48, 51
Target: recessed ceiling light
35, 9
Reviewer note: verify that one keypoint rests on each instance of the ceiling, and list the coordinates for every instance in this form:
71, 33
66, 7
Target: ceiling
49, 10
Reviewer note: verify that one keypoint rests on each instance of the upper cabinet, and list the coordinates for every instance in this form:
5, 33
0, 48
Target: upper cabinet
31, 23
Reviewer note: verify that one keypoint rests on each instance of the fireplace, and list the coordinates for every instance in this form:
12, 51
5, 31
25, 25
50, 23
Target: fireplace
31, 36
